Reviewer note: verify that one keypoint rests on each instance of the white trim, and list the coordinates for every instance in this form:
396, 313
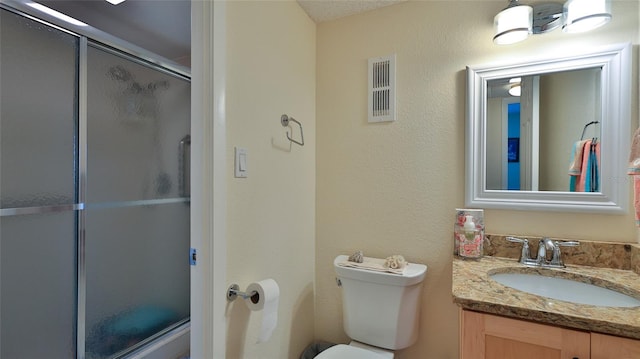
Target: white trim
615, 62
534, 155
208, 197
504, 161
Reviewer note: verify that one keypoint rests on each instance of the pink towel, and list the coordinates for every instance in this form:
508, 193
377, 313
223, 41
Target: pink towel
634, 170
576, 164
584, 164
636, 198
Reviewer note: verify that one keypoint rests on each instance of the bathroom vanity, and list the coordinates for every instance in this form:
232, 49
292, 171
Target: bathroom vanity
491, 336
498, 321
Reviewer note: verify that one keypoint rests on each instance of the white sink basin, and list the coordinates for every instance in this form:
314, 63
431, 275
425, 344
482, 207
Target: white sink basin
565, 289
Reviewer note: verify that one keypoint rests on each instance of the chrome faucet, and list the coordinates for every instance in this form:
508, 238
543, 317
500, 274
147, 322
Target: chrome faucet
544, 245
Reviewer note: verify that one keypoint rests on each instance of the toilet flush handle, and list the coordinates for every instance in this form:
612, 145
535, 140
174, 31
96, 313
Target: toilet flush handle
338, 282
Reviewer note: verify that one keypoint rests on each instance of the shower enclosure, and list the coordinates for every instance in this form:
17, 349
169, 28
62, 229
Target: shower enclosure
94, 195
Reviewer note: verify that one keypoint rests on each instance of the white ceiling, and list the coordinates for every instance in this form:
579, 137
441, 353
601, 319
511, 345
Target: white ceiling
163, 26
326, 10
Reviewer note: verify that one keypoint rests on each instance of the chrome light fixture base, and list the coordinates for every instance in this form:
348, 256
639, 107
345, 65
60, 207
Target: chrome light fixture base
546, 17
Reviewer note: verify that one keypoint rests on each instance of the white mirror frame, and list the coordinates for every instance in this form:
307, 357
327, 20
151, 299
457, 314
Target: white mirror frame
615, 62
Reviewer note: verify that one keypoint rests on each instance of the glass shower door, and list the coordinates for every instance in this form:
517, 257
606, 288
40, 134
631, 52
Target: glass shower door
38, 211
137, 209
94, 196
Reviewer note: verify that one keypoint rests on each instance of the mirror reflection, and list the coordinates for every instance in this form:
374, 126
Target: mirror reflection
543, 132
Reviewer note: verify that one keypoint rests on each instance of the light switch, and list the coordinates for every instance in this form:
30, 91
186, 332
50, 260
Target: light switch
243, 162
241, 169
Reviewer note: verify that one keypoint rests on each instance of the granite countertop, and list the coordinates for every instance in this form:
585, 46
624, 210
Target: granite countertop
473, 289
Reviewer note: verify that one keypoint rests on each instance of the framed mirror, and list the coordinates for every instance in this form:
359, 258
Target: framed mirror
550, 134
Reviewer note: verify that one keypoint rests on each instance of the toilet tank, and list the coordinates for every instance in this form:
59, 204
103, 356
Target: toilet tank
381, 309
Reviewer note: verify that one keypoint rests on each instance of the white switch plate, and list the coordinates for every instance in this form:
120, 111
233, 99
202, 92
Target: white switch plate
241, 169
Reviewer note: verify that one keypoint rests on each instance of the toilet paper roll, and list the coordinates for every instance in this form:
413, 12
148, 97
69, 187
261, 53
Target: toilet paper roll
265, 300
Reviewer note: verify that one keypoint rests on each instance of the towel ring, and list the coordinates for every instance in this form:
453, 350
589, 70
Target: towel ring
585, 128
284, 120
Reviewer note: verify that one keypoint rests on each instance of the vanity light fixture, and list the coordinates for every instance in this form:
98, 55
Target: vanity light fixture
513, 24
114, 2
518, 21
585, 15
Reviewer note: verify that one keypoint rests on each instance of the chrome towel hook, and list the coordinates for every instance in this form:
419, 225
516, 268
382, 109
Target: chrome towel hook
284, 120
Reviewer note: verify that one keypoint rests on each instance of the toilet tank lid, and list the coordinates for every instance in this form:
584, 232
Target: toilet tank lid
414, 274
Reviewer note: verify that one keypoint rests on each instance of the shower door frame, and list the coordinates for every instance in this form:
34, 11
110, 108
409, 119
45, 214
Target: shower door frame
89, 36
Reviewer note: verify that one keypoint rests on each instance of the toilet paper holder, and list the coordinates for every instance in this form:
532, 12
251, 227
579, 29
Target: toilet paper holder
234, 292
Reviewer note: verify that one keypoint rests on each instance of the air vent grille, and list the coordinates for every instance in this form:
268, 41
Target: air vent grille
382, 89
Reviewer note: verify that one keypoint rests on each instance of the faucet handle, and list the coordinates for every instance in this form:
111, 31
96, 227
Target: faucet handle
517, 240
524, 255
566, 243
557, 257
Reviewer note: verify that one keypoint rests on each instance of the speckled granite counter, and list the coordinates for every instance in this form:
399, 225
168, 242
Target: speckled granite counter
473, 289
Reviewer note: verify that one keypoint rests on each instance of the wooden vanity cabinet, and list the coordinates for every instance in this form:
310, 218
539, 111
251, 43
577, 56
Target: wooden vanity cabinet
610, 347
486, 336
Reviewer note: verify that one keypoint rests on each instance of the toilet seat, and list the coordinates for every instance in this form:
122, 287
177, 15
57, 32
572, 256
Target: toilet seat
343, 351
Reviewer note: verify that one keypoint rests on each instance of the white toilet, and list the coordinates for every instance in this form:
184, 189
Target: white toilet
381, 311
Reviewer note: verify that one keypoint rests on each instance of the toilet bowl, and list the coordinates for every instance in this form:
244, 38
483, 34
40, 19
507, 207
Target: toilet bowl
380, 311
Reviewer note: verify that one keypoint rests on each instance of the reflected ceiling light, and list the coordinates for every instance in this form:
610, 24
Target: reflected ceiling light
513, 24
516, 88
585, 15
518, 21
115, 2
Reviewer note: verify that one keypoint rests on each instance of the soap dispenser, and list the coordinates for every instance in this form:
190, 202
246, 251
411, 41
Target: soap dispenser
470, 239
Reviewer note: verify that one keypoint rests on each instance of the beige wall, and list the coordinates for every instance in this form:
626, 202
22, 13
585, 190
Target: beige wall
392, 187
271, 66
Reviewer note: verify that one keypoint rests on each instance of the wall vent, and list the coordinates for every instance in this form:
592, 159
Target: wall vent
382, 89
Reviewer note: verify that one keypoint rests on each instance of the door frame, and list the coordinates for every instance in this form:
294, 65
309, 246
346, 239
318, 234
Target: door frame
208, 184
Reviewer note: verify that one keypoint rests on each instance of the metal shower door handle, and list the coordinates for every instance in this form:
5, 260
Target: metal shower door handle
184, 166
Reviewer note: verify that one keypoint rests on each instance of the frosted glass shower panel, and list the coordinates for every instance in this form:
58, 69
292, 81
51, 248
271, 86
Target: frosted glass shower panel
137, 117
38, 286
38, 113
94, 210
147, 289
